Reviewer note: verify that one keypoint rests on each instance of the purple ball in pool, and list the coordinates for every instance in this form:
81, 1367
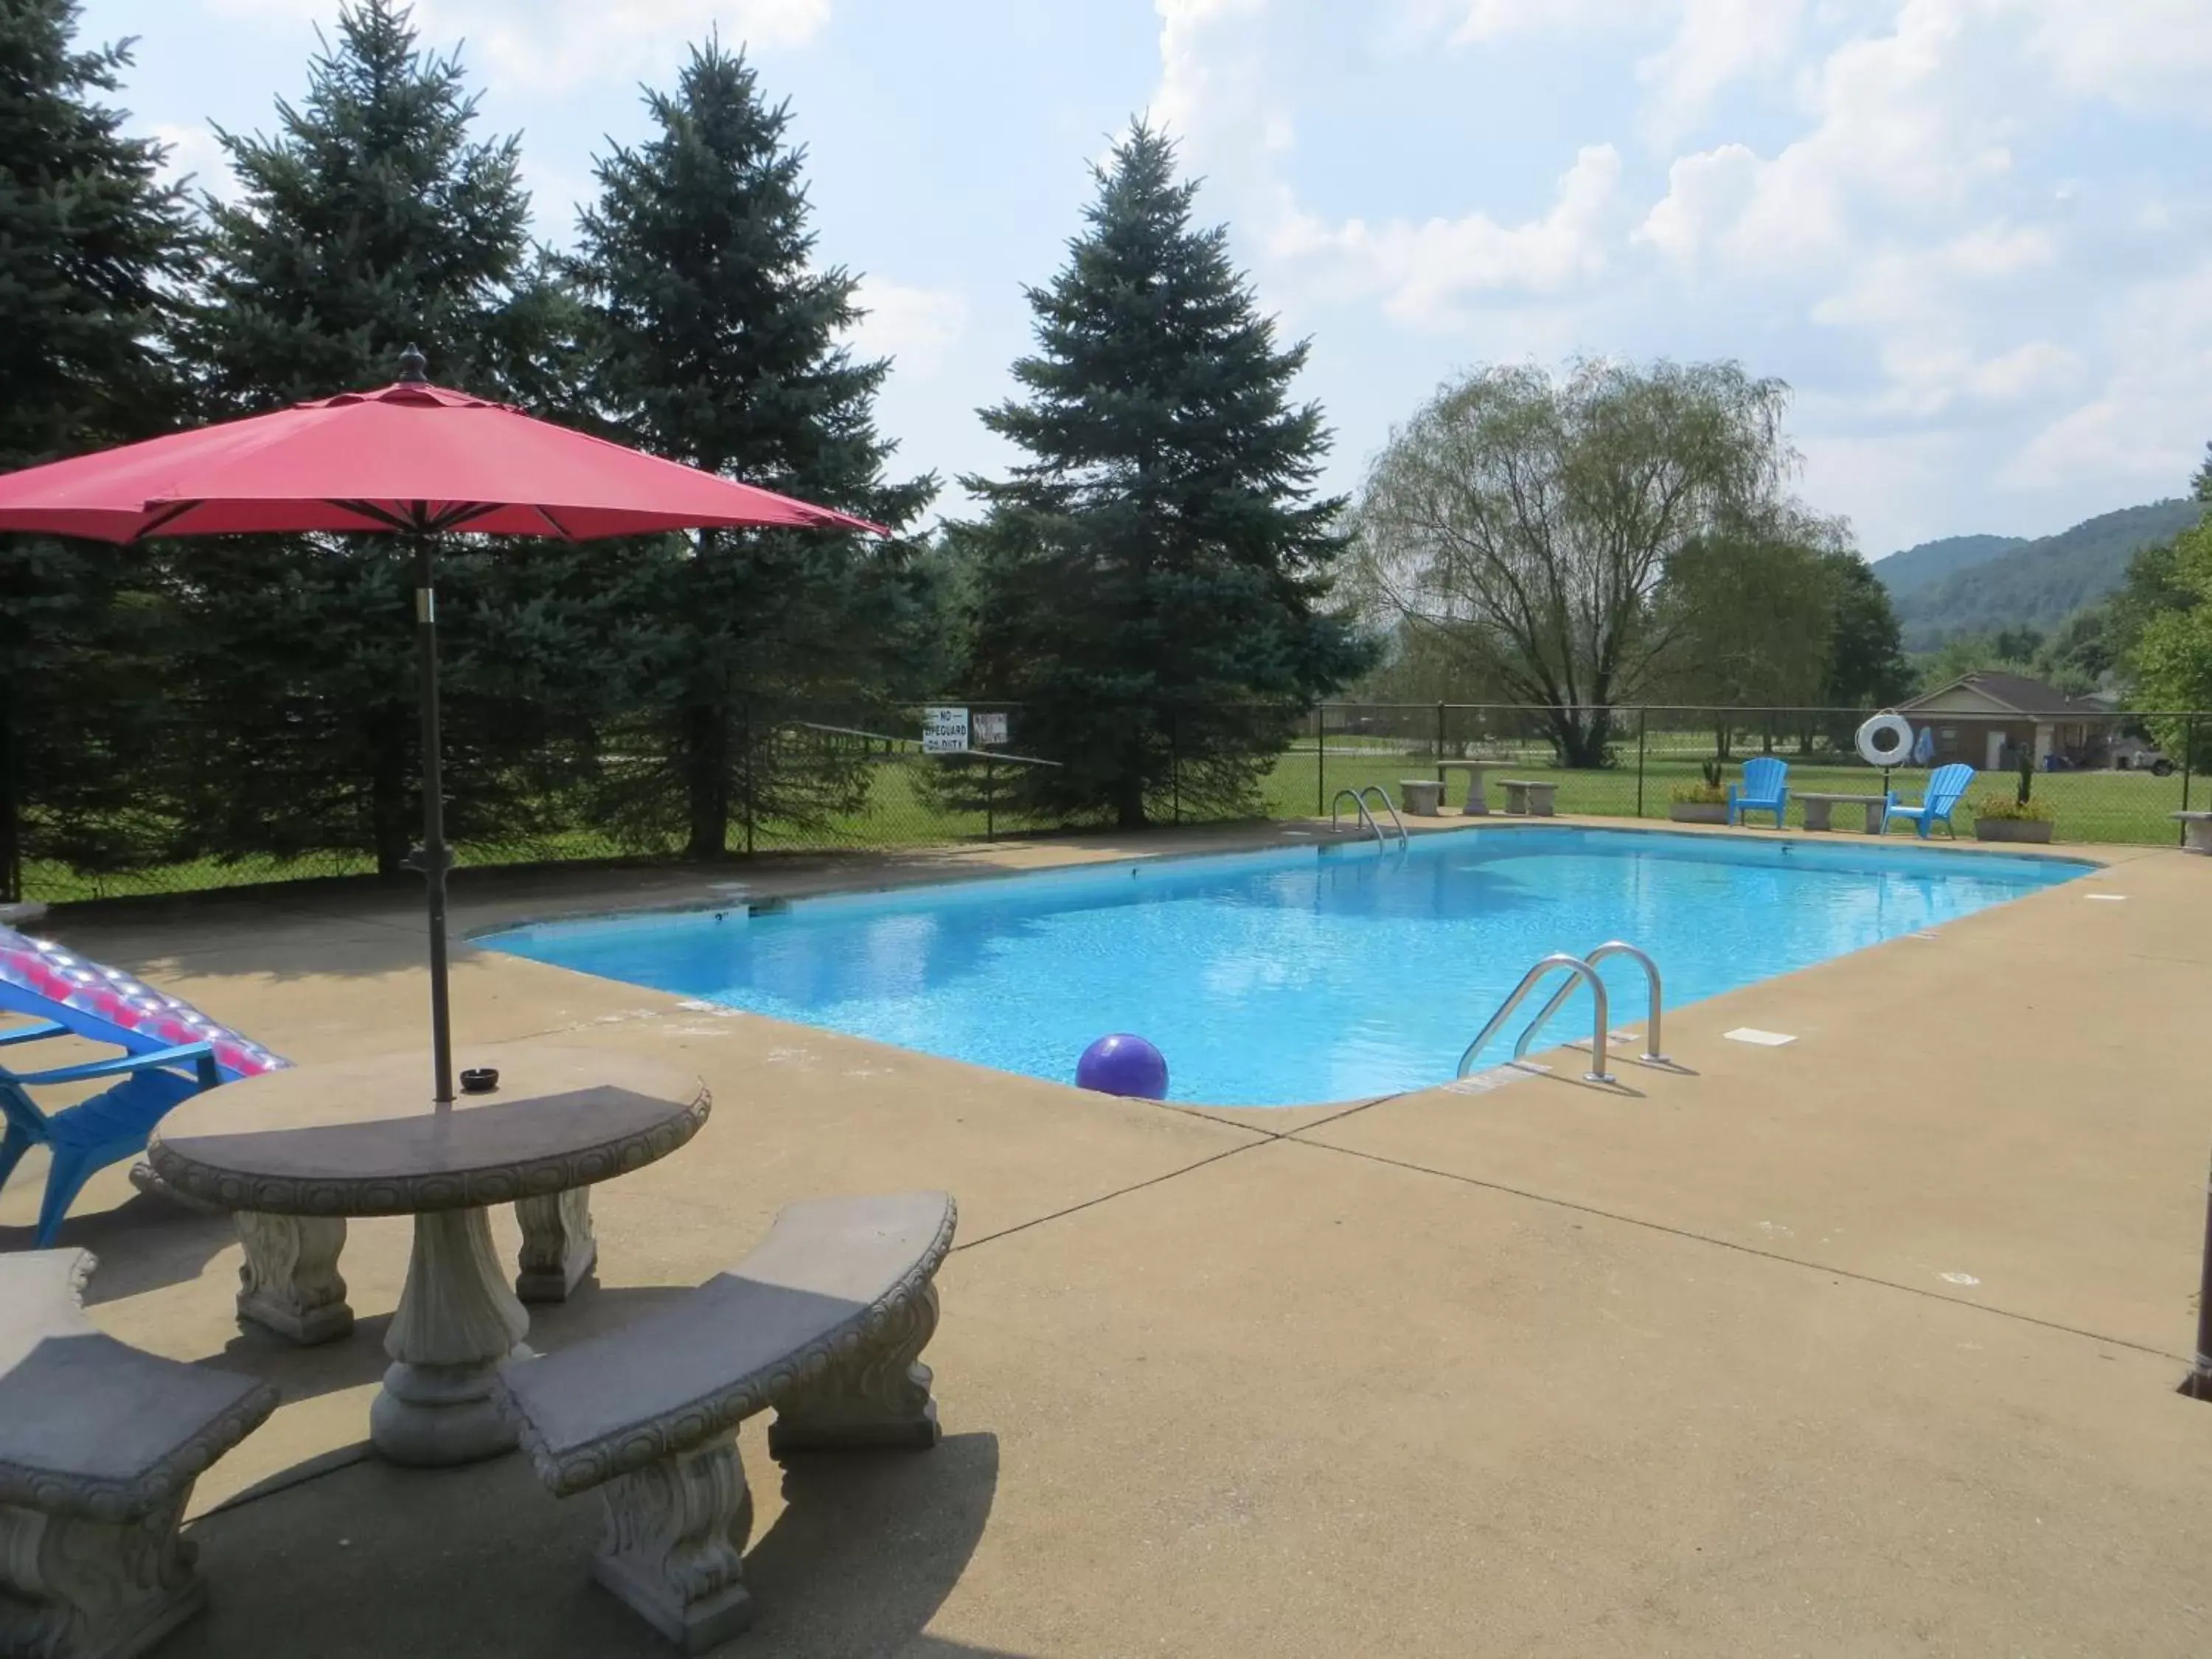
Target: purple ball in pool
1123, 1065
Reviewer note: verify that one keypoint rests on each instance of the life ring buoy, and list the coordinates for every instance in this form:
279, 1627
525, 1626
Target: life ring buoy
1885, 740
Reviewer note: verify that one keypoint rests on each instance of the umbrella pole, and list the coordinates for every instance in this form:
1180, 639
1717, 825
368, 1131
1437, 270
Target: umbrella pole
434, 857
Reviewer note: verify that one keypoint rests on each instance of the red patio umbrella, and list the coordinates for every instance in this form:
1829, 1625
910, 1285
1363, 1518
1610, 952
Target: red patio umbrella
413, 458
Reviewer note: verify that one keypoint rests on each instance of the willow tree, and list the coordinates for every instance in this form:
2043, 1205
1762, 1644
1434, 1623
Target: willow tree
1532, 519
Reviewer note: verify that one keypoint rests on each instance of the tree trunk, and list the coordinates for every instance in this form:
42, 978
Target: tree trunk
707, 778
395, 797
1581, 742
11, 835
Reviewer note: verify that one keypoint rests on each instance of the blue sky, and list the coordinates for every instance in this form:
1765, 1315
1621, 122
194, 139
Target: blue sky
1974, 235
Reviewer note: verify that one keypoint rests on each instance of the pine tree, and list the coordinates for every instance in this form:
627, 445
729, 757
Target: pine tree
1148, 583
372, 219
91, 245
715, 340
2200, 482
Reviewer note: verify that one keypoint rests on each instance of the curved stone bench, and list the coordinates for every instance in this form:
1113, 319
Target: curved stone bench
100, 1445
825, 1321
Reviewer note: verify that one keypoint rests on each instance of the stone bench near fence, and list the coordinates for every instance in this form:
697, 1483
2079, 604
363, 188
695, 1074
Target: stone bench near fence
1528, 798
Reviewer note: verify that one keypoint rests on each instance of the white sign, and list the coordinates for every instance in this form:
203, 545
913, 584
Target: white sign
943, 731
990, 729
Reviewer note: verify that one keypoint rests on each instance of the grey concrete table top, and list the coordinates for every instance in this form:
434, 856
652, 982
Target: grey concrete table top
361, 1138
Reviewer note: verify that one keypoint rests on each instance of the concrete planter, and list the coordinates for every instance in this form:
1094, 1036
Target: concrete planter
1697, 811
2012, 829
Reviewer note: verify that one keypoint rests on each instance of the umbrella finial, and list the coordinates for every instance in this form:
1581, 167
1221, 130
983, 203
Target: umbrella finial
414, 367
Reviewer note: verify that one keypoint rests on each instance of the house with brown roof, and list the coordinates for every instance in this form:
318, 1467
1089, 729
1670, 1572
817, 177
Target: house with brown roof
1988, 720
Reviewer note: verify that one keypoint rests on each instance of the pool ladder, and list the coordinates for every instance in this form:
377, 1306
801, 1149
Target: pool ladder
1584, 970
1358, 799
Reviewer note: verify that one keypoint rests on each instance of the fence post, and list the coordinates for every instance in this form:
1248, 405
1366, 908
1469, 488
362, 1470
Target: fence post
990, 803
1440, 740
750, 758
1640, 714
1321, 758
2188, 761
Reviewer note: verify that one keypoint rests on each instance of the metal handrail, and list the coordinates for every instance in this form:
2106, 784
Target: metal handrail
1359, 807
1613, 947
1383, 795
1358, 799
1582, 970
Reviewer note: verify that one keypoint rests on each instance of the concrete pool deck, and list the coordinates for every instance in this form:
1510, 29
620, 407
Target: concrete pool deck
1865, 1344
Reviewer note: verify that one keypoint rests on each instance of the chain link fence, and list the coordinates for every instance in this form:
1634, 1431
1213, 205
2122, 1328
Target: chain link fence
2098, 777
881, 780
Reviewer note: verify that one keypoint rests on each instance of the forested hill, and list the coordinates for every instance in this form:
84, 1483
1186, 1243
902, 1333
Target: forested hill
1924, 565
2040, 582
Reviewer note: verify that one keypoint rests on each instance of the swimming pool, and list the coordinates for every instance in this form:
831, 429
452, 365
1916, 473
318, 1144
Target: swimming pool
1282, 977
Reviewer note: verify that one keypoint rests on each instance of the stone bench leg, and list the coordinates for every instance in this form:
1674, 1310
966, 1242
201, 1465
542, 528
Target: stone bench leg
558, 1246
674, 1545
1816, 813
1541, 804
71, 1585
878, 1398
289, 1280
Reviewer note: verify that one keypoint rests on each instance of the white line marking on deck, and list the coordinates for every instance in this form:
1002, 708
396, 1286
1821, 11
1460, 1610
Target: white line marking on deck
2107, 898
1764, 1039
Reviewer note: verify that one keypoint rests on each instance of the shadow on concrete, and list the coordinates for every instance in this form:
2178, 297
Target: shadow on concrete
359, 1358
369, 1560
144, 1243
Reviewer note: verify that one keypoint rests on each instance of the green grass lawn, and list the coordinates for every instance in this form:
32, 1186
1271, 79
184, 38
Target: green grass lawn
2088, 807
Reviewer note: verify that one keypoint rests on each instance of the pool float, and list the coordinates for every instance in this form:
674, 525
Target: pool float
1886, 740
1123, 1065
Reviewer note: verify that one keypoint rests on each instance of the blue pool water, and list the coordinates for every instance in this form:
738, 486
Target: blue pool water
1278, 978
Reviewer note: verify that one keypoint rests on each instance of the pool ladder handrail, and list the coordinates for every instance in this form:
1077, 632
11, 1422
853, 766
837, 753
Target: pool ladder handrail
1582, 970
1652, 1055
1359, 801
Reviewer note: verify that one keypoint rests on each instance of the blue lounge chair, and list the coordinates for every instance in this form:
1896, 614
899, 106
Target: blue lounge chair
171, 1051
1946, 788
1765, 789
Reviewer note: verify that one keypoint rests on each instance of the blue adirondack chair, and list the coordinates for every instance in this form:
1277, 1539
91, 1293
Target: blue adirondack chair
1946, 788
171, 1051
1765, 789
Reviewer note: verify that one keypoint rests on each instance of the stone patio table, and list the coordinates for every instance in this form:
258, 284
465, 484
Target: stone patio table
1476, 806
296, 1151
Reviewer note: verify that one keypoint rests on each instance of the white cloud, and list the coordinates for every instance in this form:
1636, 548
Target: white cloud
2141, 54
1476, 21
196, 154
1425, 272
1706, 194
2145, 424
917, 326
564, 43
1717, 43
1196, 82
